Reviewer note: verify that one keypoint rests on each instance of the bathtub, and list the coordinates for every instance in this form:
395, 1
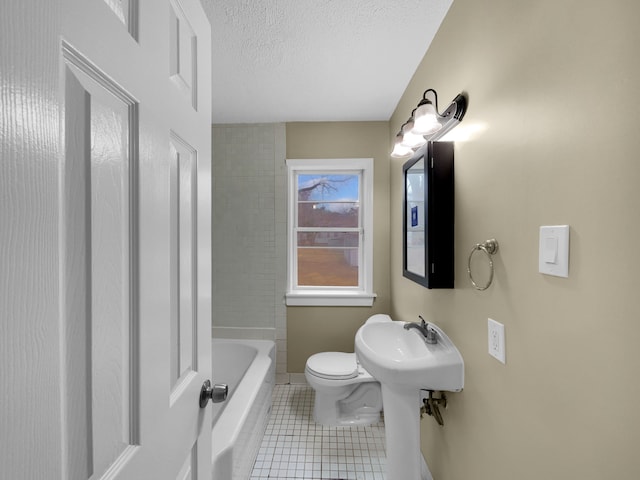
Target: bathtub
248, 367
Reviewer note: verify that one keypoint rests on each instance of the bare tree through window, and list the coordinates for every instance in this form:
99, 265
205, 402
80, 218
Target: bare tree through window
328, 234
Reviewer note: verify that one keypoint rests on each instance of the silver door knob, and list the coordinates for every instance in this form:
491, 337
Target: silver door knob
217, 393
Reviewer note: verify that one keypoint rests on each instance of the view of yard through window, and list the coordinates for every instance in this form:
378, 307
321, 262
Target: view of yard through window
328, 230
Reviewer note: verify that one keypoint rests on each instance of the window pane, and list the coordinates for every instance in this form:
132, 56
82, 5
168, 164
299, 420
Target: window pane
328, 239
330, 267
328, 200
328, 215
323, 187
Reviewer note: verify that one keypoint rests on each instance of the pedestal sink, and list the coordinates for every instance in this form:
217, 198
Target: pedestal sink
403, 362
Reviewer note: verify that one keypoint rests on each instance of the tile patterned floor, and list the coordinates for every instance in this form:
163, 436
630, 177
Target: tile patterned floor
295, 447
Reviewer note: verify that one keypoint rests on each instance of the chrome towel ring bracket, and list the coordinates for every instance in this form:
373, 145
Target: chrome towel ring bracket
489, 247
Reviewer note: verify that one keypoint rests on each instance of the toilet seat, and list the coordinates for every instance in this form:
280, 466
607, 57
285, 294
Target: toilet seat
333, 365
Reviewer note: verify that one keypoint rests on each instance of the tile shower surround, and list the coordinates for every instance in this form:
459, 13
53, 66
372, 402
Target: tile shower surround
250, 235
295, 447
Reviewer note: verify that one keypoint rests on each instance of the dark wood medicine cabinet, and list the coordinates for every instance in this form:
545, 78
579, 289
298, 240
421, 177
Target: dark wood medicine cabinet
428, 210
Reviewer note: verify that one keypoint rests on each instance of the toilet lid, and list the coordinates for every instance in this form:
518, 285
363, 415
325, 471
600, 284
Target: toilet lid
336, 365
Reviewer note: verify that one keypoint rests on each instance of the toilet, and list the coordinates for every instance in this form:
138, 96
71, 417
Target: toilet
345, 393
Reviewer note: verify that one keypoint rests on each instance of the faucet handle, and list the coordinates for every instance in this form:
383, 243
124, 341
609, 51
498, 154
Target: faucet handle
432, 336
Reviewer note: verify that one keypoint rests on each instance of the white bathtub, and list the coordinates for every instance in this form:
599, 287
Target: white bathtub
248, 367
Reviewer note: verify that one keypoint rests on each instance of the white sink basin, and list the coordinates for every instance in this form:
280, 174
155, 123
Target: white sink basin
399, 357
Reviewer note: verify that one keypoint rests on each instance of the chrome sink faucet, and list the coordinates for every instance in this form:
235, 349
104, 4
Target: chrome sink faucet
430, 335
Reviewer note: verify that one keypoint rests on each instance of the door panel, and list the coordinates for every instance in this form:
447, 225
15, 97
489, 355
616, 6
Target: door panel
184, 353
183, 48
189, 468
106, 203
126, 11
102, 115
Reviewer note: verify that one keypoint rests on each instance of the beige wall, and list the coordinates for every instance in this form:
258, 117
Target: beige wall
553, 99
316, 329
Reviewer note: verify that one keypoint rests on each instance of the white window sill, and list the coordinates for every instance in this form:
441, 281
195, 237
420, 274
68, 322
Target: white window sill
330, 299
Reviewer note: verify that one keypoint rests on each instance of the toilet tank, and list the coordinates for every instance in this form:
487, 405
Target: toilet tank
378, 318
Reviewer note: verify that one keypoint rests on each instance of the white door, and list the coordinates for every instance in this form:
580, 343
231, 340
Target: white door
105, 235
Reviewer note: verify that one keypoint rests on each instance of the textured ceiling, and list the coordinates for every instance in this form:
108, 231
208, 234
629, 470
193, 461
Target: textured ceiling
316, 60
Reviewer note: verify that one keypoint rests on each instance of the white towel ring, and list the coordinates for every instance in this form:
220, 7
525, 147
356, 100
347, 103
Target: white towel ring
489, 247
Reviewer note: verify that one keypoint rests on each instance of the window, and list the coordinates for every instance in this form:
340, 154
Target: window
330, 255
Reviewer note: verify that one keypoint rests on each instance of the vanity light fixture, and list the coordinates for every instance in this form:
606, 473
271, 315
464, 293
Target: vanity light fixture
411, 138
425, 116
426, 124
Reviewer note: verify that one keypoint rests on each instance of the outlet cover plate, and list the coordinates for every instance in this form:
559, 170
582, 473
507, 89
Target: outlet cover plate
496, 340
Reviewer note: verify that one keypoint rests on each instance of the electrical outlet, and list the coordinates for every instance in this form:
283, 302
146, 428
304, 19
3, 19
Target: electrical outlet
496, 340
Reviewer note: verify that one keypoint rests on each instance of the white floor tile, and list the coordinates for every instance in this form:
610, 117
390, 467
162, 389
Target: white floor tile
295, 447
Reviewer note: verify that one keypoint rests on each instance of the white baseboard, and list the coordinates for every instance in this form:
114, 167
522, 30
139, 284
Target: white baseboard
297, 379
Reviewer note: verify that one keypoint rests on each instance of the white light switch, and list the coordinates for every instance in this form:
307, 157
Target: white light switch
554, 250
550, 252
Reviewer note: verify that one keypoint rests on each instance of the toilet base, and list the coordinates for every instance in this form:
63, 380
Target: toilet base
360, 407
365, 416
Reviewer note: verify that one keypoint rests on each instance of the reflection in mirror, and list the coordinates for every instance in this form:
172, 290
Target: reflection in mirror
415, 230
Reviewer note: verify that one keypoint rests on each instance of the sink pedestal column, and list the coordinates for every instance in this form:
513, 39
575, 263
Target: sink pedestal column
402, 430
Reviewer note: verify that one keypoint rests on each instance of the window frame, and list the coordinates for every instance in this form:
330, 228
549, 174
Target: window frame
362, 295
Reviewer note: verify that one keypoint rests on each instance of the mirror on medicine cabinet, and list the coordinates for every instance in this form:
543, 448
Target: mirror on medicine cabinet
428, 256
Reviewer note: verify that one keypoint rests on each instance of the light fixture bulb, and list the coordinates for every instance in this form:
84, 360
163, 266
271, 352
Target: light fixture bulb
426, 119
410, 139
399, 150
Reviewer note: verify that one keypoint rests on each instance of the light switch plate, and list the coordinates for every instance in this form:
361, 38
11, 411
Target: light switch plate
553, 257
